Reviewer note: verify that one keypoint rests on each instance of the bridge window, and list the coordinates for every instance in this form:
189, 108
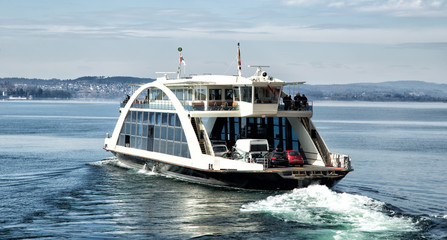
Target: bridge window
215, 94
179, 94
246, 94
236, 93
156, 94
228, 94
199, 94
267, 94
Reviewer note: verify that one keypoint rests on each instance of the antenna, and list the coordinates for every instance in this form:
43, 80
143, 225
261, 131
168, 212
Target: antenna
259, 68
165, 74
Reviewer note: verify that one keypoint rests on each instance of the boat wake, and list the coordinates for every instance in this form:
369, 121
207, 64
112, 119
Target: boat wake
348, 216
113, 161
145, 170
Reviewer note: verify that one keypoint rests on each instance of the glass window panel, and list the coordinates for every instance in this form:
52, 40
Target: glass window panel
177, 121
172, 119
138, 142
267, 94
129, 117
144, 143
121, 140
170, 147
215, 94
178, 134
134, 116
170, 133
133, 128
153, 94
246, 94
183, 136
228, 94
179, 94
236, 93
158, 118
157, 132
164, 119
163, 133
145, 134
139, 117
150, 144
185, 150
199, 94
123, 128
151, 118
145, 117
139, 130
177, 149
162, 146
127, 127
132, 142
156, 94
156, 145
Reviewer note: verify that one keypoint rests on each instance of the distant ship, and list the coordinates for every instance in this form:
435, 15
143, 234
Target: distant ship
230, 131
17, 98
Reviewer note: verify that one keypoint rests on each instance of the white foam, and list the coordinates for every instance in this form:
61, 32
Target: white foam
107, 161
112, 161
145, 171
318, 205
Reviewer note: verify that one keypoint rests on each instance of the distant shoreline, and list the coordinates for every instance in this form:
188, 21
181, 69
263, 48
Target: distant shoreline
116, 88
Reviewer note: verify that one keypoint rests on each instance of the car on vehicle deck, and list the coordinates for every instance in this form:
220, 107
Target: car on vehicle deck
294, 157
278, 159
220, 150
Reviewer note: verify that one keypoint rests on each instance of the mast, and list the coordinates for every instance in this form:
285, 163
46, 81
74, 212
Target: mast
179, 70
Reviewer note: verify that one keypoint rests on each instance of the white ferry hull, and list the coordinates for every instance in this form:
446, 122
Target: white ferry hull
286, 178
173, 126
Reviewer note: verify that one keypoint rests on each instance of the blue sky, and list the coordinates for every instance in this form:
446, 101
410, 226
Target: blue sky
317, 41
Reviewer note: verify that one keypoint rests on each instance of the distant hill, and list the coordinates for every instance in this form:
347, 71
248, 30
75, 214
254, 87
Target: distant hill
118, 87
384, 91
83, 87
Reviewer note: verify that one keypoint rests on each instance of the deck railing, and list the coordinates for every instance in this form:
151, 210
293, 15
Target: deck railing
188, 105
304, 107
212, 106
341, 160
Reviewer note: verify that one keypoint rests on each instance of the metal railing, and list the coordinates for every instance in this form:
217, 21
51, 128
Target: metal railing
188, 105
304, 107
341, 161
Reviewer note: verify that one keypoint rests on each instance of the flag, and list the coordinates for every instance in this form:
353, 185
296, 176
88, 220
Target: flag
239, 57
182, 60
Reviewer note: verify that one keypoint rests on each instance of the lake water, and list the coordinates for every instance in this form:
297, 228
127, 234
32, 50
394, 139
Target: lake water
56, 182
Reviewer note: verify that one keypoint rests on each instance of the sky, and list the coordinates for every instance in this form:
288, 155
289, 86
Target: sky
316, 41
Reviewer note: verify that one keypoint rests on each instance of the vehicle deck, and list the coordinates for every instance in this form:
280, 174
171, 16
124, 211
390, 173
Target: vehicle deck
304, 168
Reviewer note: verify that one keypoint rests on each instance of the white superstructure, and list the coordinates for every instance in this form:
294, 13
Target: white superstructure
173, 122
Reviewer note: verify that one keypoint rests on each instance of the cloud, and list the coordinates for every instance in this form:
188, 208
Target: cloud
395, 8
424, 45
408, 8
335, 33
282, 24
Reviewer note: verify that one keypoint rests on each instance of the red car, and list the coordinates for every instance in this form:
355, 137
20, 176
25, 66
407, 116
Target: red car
294, 157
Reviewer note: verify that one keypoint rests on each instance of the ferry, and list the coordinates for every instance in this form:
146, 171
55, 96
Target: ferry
174, 127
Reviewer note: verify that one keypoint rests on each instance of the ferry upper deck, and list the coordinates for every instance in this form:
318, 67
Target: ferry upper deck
225, 96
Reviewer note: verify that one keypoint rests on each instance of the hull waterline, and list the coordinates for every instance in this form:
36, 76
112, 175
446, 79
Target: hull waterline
270, 179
